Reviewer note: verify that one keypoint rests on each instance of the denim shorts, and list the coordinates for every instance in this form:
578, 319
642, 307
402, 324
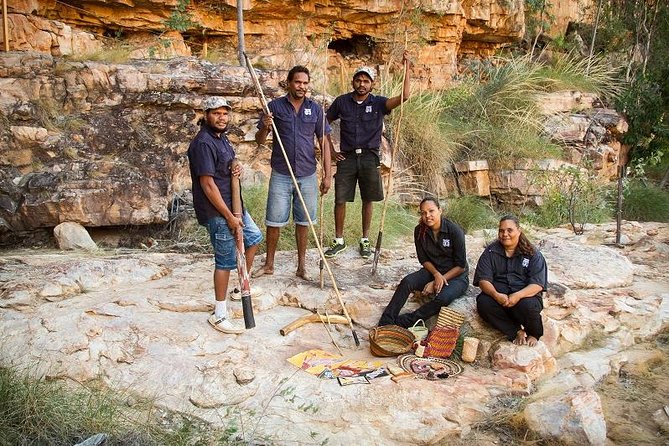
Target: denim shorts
282, 195
225, 247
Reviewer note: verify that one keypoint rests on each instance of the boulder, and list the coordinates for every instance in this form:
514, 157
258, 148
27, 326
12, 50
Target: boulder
573, 418
70, 235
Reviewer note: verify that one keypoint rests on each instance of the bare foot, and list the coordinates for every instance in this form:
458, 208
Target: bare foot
302, 273
532, 341
262, 271
521, 338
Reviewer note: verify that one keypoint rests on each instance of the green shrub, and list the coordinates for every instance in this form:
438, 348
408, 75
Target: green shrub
471, 213
645, 202
571, 195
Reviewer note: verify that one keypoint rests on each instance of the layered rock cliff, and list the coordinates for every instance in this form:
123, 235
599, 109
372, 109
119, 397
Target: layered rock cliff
278, 33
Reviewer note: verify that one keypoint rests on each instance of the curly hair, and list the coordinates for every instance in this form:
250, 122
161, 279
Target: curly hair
524, 245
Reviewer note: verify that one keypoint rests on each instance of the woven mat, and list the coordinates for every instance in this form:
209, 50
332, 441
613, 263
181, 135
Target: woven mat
451, 367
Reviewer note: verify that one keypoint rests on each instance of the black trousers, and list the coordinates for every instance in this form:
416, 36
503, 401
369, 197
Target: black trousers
416, 282
526, 314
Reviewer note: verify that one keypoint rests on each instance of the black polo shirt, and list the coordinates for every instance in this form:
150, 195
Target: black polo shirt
297, 131
446, 251
210, 155
510, 274
361, 124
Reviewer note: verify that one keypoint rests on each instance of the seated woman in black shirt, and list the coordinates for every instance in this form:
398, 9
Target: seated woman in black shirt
440, 247
512, 274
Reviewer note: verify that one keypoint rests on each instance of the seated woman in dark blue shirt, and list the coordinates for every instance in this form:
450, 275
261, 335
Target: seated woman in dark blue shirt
512, 274
440, 248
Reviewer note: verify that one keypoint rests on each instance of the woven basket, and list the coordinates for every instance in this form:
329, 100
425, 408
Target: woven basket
419, 331
390, 340
450, 318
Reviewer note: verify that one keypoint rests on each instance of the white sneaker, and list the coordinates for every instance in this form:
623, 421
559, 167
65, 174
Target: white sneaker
224, 325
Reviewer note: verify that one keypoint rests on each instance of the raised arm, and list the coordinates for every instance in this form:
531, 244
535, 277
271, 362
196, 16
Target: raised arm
395, 101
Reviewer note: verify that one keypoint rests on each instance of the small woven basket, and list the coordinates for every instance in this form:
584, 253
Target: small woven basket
449, 318
419, 330
390, 340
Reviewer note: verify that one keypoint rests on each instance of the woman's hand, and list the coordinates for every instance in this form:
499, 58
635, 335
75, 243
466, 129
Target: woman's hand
501, 299
513, 299
439, 283
428, 288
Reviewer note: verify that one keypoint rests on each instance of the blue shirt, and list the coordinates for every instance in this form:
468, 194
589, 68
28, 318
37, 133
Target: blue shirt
210, 155
361, 124
297, 131
510, 274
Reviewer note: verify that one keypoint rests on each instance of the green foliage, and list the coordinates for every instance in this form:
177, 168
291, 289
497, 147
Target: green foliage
471, 213
180, 19
644, 202
572, 195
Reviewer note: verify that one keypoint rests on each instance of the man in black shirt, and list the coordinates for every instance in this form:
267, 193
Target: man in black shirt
358, 160
440, 247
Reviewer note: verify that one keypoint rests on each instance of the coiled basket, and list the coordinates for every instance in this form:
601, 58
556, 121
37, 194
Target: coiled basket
390, 340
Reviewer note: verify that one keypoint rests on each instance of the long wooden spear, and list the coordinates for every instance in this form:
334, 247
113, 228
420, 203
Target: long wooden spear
321, 226
263, 101
389, 183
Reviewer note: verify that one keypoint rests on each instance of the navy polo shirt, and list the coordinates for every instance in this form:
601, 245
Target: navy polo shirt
297, 131
510, 274
361, 124
210, 155
446, 251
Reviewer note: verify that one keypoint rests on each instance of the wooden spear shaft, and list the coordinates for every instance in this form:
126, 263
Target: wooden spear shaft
5, 26
263, 101
389, 183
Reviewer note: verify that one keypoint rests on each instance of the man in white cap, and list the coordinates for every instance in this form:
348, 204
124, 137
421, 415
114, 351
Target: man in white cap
358, 160
210, 156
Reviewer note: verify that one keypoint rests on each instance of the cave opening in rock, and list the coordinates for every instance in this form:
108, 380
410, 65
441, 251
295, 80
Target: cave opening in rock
357, 45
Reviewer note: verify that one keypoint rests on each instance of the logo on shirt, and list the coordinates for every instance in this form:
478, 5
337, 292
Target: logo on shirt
307, 112
446, 243
368, 109
526, 262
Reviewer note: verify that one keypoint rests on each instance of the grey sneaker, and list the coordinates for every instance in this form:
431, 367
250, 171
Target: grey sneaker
334, 249
365, 249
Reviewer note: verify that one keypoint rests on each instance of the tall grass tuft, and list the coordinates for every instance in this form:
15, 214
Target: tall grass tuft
41, 412
496, 119
471, 213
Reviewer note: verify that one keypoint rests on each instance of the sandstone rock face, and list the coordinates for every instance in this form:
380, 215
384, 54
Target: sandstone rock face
102, 144
355, 32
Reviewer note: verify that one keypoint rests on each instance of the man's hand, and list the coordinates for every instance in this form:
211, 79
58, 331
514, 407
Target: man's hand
236, 170
235, 224
337, 156
325, 184
267, 120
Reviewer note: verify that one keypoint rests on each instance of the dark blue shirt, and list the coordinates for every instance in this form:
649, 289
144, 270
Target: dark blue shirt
361, 124
510, 274
446, 251
210, 155
297, 131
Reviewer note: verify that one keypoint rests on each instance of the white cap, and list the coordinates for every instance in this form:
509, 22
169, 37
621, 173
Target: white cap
214, 102
369, 71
